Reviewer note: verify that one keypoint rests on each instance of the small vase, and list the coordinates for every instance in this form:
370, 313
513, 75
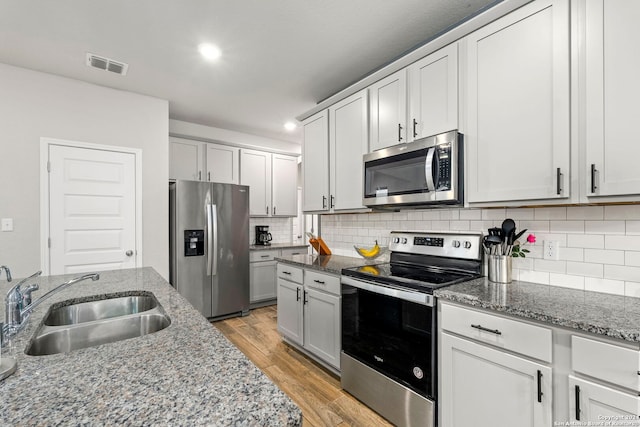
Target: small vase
499, 268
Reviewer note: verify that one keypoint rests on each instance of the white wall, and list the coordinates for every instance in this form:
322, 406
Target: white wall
599, 245
34, 105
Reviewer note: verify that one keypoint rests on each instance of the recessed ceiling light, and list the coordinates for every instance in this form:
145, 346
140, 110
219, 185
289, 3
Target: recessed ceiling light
290, 126
209, 51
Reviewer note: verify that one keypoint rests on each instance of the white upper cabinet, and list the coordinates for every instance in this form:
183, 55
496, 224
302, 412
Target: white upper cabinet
315, 162
388, 111
612, 93
348, 142
517, 106
222, 163
433, 94
284, 185
256, 173
186, 159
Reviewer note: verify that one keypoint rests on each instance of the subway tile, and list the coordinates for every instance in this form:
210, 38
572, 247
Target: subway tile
629, 243
585, 212
393, 225
431, 215
593, 241
618, 272
399, 216
551, 266
523, 263
414, 216
482, 226
584, 269
632, 289
449, 214
632, 227
534, 226
571, 254
566, 281
494, 214
604, 256
632, 258
471, 214
622, 212
559, 213
604, 227
520, 213
566, 226
534, 276
541, 237
608, 286
459, 225
440, 225
423, 225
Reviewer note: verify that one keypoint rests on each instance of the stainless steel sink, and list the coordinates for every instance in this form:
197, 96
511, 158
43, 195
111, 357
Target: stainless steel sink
69, 327
101, 309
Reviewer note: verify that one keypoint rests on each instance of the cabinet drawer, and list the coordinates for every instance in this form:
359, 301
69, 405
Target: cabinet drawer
289, 272
294, 251
524, 338
608, 362
322, 281
255, 256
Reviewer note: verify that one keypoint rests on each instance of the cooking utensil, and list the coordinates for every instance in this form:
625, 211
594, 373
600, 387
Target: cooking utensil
493, 242
517, 236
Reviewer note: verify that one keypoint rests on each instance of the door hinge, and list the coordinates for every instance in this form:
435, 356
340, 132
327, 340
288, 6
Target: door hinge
49, 242
48, 166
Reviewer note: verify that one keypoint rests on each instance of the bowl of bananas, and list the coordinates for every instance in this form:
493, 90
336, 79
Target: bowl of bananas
370, 253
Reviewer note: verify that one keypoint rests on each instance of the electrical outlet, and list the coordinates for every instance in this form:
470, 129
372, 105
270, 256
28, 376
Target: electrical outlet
550, 250
7, 224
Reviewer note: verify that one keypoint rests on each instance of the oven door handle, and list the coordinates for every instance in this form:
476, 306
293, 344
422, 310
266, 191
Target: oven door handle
428, 169
417, 297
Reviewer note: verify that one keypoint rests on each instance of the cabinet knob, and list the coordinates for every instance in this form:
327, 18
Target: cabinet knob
129, 253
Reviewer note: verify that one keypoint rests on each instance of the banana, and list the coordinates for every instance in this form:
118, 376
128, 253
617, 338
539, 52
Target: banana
368, 253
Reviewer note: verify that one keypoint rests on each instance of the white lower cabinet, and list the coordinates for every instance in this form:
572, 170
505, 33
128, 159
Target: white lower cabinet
483, 386
262, 274
309, 312
589, 401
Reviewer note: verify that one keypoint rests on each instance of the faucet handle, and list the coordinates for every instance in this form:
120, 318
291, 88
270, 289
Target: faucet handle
26, 294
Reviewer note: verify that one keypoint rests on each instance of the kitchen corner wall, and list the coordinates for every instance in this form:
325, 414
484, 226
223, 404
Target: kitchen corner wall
599, 245
35, 105
281, 229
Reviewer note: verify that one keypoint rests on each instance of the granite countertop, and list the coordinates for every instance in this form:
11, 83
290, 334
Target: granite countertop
277, 246
329, 263
594, 312
186, 374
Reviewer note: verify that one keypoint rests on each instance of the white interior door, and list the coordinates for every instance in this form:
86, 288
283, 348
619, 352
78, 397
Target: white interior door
92, 209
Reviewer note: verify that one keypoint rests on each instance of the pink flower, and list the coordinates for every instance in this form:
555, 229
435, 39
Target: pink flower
531, 238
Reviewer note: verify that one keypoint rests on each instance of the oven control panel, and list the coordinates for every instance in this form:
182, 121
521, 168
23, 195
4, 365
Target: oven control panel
454, 245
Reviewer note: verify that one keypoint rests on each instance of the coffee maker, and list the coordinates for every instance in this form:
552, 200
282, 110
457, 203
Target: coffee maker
263, 237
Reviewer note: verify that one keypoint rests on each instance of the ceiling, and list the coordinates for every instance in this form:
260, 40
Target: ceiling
280, 57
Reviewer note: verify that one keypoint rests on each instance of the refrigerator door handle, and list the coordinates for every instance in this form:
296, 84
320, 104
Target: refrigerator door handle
209, 237
212, 235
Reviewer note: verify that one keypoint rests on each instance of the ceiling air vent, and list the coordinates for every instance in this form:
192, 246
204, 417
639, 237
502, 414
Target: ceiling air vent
106, 64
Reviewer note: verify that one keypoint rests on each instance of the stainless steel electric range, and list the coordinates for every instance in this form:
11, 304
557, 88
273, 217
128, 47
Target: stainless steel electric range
389, 339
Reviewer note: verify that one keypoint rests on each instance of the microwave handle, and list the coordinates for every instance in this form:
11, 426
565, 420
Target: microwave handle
428, 169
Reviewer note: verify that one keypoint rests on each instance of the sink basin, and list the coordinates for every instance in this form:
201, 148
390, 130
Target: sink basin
101, 309
68, 327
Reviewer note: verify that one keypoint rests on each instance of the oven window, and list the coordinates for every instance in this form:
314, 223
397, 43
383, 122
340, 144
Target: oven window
390, 335
392, 176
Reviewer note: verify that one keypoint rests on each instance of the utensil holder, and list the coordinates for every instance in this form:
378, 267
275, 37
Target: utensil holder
499, 267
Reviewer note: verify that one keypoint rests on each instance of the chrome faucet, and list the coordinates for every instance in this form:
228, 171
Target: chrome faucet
18, 305
6, 271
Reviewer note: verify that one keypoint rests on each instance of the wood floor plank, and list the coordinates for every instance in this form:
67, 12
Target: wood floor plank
313, 388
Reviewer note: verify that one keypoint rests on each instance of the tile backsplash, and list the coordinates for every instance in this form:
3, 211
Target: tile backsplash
599, 246
281, 229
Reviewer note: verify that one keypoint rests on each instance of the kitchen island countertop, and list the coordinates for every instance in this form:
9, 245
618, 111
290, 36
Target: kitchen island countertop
186, 374
593, 312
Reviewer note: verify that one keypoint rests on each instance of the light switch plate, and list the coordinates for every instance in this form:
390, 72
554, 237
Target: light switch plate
7, 224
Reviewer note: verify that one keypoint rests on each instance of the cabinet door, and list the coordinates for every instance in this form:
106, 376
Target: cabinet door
517, 105
315, 163
284, 187
322, 326
222, 164
290, 316
255, 171
485, 387
348, 136
612, 93
433, 94
593, 402
388, 111
185, 159
262, 281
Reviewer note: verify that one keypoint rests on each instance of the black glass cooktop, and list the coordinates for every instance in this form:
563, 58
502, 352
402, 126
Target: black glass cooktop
418, 277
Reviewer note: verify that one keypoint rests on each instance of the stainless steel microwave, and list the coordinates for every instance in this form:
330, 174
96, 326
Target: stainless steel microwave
427, 171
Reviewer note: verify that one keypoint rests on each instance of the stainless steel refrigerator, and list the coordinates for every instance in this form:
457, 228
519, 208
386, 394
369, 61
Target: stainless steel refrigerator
209, 246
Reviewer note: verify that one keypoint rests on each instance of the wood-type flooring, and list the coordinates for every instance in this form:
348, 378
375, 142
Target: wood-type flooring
315, 390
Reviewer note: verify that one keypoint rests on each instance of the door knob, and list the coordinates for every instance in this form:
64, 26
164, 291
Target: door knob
129, 253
